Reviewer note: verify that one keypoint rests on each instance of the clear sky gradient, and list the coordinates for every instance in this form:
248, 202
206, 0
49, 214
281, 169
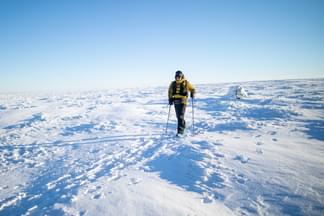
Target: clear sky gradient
65, 44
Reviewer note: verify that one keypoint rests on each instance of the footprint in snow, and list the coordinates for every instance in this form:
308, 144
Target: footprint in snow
217, 143
219, 155
240, 179
259, 151
134, 181
81, 213
93, 189
259, 143
94, 151
97, 196
272, 133
207, 199
242, 158
4, 187
203, 144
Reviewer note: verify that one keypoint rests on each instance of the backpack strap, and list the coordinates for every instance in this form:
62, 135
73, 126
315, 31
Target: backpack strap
174, 87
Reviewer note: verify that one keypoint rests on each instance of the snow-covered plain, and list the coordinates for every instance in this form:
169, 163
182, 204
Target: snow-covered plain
106, 152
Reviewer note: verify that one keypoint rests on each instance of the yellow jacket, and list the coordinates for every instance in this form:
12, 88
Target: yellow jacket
179, 90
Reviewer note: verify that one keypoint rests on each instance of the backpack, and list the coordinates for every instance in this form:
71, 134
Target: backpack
180, 88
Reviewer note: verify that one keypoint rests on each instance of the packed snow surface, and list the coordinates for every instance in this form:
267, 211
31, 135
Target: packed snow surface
108, 152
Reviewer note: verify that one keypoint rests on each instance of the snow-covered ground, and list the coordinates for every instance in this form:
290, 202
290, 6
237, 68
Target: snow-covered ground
106, 152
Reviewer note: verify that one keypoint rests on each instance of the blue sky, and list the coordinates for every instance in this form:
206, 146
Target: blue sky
55, 45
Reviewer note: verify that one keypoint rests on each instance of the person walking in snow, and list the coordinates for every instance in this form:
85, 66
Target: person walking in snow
178, 95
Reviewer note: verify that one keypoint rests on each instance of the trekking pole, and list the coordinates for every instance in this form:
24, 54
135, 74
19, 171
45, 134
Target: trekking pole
166, 129
193, 116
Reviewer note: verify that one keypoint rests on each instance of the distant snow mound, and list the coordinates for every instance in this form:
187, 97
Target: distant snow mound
240, 92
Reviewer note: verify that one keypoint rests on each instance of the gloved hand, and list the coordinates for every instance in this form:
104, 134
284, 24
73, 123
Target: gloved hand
192, 94
170, 101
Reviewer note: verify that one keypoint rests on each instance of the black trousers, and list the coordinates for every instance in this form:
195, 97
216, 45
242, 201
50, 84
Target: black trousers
180, 110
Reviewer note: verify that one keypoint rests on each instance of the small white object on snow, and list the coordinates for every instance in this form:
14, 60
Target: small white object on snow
240, 92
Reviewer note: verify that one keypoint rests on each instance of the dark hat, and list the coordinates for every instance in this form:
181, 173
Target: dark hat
178, 74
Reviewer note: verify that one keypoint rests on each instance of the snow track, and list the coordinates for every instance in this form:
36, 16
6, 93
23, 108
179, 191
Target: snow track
62, 177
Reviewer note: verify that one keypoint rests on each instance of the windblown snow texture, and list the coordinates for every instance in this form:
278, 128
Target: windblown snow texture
105, 152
